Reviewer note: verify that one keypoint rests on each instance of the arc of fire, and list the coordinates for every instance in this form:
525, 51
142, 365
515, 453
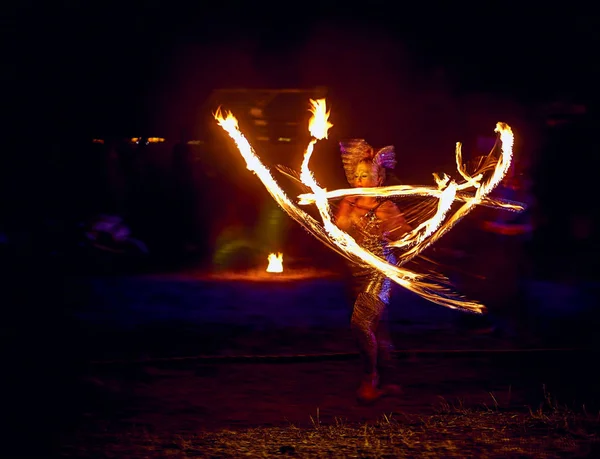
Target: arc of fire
416, 241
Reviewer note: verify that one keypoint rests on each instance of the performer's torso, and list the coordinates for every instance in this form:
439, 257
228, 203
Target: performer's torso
366, 226
367, 231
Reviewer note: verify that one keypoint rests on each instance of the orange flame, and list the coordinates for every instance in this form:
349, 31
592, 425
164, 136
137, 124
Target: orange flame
507, 139
230, 125
319, 124
343, 240
422, 236
409, 190
275, 263
431, 230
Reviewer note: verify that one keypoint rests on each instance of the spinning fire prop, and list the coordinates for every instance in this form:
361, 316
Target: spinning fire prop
434, 288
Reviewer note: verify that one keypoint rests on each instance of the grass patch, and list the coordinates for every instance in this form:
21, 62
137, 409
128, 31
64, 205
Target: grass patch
548, 431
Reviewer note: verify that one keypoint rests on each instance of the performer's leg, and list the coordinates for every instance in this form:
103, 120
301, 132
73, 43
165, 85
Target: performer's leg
364, 322
384, 345
385, 361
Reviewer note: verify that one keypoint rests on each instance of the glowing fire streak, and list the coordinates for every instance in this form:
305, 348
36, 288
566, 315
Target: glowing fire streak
409, 190
507, 139
433, 292
275, 263
230, 124
421, 237
435, 222
426, 228
432, 229
407, 279
470, 181
319, 124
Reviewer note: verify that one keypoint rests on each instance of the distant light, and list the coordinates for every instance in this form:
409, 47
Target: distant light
284, 139
147, 141
260, 122
98, 141
195, 142
262, 139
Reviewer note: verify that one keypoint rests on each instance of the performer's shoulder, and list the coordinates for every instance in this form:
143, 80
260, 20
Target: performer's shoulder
388, 207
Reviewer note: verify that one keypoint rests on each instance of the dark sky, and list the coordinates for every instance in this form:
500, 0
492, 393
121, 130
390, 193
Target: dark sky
122, 66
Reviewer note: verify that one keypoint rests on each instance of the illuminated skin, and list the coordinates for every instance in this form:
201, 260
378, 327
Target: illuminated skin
352, 209
372, 223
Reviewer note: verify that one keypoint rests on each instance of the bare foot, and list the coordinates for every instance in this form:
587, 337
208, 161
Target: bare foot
368, 393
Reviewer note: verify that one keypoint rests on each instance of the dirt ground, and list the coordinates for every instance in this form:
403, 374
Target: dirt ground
187, 396
173, 407
157, 356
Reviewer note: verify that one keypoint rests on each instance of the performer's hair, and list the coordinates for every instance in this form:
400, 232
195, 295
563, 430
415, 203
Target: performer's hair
355, 151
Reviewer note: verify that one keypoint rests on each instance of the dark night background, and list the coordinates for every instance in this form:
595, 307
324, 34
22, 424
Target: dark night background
420, 77
107, 67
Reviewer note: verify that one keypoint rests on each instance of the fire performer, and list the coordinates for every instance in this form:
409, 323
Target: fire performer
372, 222
379, 227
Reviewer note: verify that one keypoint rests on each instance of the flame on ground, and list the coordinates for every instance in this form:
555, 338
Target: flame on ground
275, 263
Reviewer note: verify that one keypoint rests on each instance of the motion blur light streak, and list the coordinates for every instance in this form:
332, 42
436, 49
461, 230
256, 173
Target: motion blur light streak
230, 124
409, 190
483, 189
423, 235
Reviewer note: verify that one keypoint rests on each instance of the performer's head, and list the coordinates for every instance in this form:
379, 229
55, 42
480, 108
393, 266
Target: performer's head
367, 174
364, 166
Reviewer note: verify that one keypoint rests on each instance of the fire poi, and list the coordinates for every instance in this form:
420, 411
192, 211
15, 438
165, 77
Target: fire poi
472, 190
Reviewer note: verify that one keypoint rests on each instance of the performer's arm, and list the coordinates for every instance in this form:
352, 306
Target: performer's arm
394, 224
343, 216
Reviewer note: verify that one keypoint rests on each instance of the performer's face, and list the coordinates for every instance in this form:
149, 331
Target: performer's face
366, 175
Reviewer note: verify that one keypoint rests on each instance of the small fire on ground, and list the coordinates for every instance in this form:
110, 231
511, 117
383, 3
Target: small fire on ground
275, 263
